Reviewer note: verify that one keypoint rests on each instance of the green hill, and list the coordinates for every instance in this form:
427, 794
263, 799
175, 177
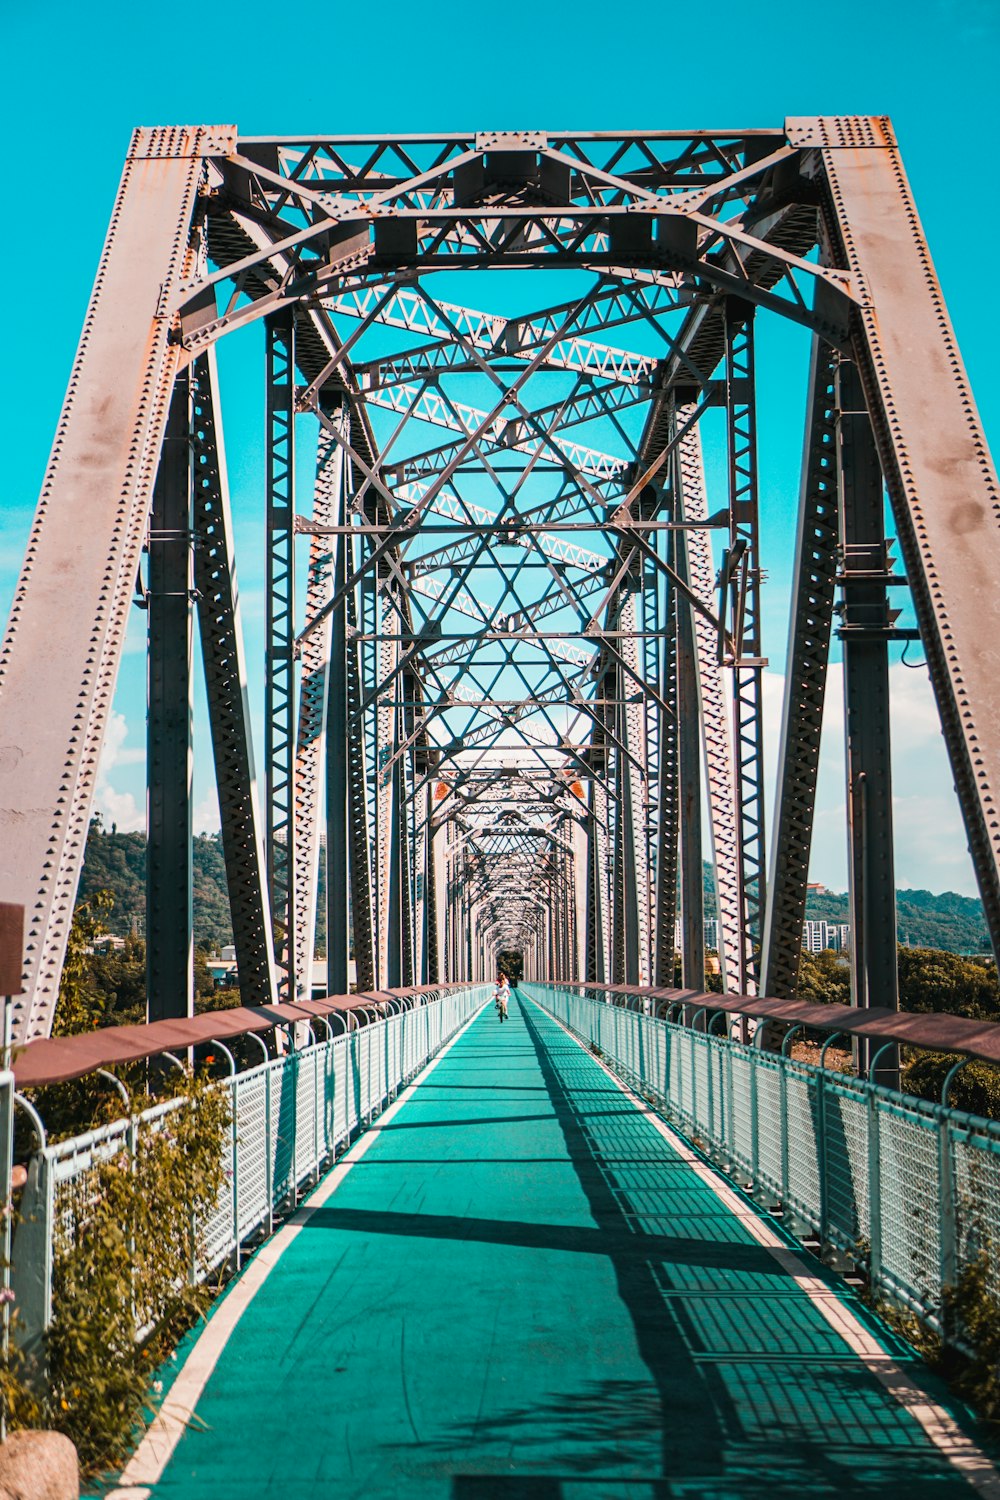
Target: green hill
116, 862
946, 921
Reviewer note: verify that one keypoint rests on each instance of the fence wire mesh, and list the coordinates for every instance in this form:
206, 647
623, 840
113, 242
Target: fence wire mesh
290, 1116
911, 1186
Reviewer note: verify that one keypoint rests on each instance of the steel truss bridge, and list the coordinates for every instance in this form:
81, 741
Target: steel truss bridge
514, 642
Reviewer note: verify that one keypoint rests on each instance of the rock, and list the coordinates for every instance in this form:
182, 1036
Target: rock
38, 1466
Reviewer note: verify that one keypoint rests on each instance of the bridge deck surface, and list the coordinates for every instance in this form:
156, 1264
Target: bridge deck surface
522, 1289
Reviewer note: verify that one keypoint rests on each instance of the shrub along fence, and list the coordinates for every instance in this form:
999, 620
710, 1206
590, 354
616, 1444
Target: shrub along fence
284, 1121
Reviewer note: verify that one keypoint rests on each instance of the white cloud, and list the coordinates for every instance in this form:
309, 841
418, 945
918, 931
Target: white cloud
118, 807
206, 813
930, 844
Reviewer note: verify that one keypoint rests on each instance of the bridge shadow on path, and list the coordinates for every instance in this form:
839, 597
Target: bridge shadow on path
749, 1394
772, 1417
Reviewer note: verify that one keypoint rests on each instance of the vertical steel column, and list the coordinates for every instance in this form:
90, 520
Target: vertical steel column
338, 729
396, 857
635, 793
169, 895
226, 692
941, 479
409, 832
628, 882
73, 596
866, 623
725, 828
665, 908
430, 962
598, 841
689, 792
742, 572
359, 847
616, 768
467, 921
592, 947
805, 683
310, 749
572, 933
280, 681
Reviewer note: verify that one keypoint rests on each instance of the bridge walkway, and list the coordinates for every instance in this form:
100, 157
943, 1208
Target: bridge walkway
519, 1283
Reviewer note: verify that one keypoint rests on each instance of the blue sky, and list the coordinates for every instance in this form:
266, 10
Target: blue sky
78, 80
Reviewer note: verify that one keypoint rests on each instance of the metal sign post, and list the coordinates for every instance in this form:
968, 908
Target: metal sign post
11, 960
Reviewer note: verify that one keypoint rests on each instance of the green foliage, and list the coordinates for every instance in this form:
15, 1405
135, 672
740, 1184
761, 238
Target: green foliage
825, 978
126, 1264
970, 1360
510, 962
713, 982
109, 988
944, 920
116, 862
976, 1089
931, 980
81, 1005
972, 1309
21, 1407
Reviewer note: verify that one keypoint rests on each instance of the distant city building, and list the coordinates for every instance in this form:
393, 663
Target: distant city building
105, 942
711, 933
817, 935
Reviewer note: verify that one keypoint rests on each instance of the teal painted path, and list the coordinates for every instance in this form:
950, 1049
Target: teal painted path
522, 1290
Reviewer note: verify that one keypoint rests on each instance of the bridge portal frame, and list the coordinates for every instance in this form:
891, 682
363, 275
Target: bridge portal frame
637, 211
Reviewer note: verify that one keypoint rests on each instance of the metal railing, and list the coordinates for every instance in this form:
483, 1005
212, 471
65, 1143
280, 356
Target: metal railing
289, 1117
910, 1187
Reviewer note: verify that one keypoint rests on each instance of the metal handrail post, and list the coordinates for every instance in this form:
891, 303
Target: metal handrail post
947, 1205
119, 1086
875, 1175
789, 1036
950, 1077
947, 1218
234, 1137
821, 1154
35, 1302
694, 1044
753, 1057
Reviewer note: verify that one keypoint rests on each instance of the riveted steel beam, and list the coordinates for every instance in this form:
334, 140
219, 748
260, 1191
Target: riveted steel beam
89, 528
941, 479
279, 722
169, 766
806, 662
310, 749
865, 630
224, 659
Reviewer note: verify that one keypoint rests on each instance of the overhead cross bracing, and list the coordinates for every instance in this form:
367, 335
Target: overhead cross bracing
515, 638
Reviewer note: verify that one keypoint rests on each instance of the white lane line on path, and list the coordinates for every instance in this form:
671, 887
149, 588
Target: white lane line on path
154, 1452
942, 1429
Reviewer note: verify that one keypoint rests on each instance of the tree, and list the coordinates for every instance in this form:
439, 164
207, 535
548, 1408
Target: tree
933, 981
81, 1005
825, 978
976, 1089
